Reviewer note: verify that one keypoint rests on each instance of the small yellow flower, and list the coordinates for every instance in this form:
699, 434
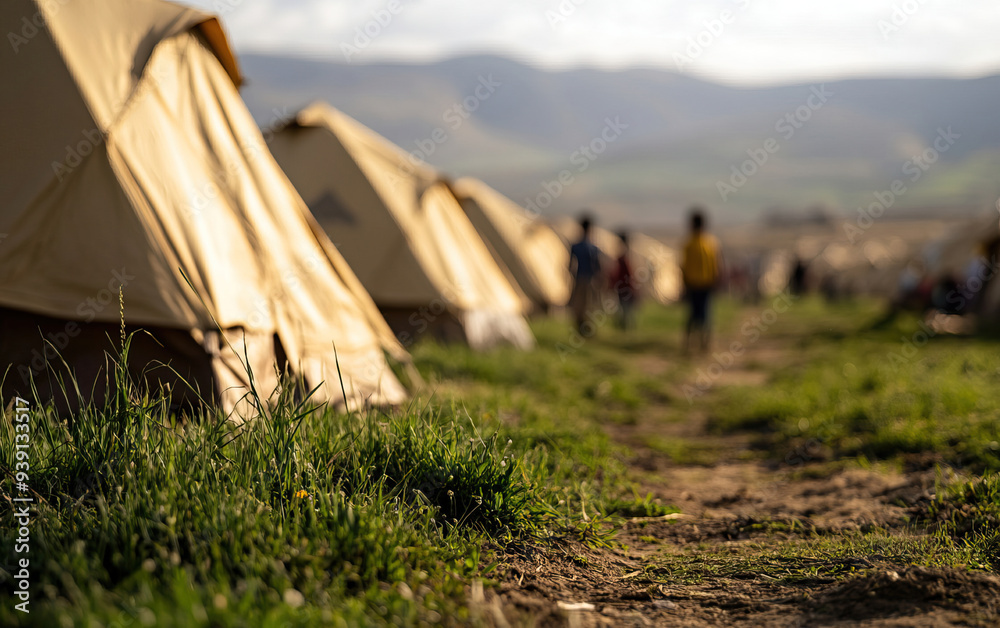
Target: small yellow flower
301, 494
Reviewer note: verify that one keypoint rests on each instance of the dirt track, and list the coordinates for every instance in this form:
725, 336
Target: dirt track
723, 560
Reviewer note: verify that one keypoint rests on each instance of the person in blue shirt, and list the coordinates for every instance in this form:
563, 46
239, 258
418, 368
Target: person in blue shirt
585, 266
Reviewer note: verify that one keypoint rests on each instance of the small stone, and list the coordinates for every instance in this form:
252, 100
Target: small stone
405, 591
576, 606
294, 598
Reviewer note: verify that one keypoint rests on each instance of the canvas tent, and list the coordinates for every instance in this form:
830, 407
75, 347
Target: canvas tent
953, 253
656, 265
535, 255
869, 267
969, 255
132, 163
402, 231
662, 276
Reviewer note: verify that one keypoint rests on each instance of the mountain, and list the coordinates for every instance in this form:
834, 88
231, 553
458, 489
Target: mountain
670, 140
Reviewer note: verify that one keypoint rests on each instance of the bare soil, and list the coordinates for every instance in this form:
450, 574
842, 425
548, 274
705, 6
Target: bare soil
734, 502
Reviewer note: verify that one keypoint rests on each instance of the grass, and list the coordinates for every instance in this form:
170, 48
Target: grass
892, 396
798, 560
968, 513
878, 394
297, 517
306, 516
640, 506
684, 452
556, 402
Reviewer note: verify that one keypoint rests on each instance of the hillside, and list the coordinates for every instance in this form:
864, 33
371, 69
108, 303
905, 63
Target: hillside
676, 137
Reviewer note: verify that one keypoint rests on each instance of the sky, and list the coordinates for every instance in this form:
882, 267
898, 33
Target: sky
743, 42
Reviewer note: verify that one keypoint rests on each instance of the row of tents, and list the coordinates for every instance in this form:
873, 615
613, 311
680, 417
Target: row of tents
139, 194
935, 265
960, 270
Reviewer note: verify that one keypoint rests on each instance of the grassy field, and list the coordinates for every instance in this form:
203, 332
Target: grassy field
582, 472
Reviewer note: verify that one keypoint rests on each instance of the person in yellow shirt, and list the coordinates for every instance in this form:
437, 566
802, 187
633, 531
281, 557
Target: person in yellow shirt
701, 268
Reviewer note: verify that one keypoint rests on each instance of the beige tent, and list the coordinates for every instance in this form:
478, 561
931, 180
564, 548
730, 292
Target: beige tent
662, 275
130, 163
536, 257
656, 265
403, 232
953, 253
971, 249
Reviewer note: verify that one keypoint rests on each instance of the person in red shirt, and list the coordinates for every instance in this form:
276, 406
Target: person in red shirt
622, 283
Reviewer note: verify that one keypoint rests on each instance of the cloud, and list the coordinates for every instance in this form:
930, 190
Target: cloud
762, 41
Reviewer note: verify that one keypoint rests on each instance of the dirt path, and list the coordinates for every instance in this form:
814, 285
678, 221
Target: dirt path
755, 544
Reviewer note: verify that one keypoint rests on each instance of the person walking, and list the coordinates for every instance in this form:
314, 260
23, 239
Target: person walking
585, 267
622, 282
701, 270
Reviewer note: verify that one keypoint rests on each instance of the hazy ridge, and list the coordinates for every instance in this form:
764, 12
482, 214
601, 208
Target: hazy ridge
845, 140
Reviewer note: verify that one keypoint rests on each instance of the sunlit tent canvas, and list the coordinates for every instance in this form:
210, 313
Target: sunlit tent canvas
969, 255
656, 265
955, 251
402, 231
535, 255
841, 268
131, 161
662, 265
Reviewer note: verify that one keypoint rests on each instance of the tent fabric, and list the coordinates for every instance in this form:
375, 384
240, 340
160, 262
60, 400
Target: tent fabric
656, 265
955, 254
139, 166
525, 244
663, 279
402, 231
